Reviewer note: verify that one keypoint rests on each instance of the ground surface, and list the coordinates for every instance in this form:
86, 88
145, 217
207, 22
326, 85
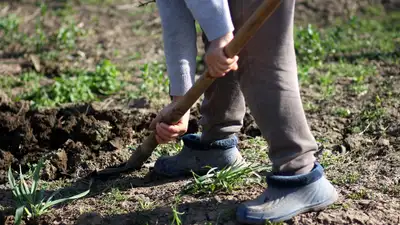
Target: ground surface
348, 70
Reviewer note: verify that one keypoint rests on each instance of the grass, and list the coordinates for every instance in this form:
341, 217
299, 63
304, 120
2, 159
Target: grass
342, 112
155, 83
226, 179
112, 201
360, 194
146, 204
255, 150
371, 118
176, 215
346, 178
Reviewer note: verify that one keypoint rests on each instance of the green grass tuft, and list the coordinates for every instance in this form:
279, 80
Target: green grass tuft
226, 179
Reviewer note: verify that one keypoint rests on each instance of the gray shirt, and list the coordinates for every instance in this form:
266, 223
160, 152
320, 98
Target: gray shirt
179, 35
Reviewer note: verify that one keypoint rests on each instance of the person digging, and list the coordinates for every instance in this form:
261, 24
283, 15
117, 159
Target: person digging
263, 76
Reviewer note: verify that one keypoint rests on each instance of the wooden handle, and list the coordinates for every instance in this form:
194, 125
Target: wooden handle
245, 33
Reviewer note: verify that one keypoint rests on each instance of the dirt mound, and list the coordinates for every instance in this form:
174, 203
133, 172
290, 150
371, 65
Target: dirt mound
76, 139
68, 137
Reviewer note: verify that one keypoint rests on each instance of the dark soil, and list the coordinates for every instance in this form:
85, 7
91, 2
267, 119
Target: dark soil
69, 137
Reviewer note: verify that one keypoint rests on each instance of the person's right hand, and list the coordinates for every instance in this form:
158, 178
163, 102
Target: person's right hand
166, 132
218, 64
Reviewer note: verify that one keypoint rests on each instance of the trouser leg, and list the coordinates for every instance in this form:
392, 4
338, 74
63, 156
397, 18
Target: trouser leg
223, 107
269, 82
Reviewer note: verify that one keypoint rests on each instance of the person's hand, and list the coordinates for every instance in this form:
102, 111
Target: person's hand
217, 62
165, 132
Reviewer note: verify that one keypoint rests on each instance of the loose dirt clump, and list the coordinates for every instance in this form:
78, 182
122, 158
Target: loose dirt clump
67, 137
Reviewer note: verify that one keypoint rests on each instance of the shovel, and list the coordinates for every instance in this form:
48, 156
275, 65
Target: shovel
144, 151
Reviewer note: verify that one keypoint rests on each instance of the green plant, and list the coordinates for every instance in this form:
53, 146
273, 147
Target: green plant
176, 215
145, 204
9, 24
155, 83
309, 46
85, 86
168, 149
226, 179
342, 112
371, 118
105, 78
68, 34
329, 159
30, 199
347, 178
359, 194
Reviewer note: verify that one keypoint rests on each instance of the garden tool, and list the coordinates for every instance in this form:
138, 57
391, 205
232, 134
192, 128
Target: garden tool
244, 34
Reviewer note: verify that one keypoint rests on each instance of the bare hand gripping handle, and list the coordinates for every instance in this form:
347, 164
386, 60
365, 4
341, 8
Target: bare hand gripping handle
246, 32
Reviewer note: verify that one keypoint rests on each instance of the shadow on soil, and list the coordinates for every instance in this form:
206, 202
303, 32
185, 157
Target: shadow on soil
98, 187
199, 212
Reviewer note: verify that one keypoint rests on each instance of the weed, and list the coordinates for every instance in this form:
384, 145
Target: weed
309, 46
146, 204
357, 33
326, 82
329, 159
342, 112
255, 149
9, 26
86, 86
310, 106
155, 83
346, 178
8, 82
68, 34
359, 194
370, 118
112, 200
176, 215
226, 179
168, 149
30, 199
116, 195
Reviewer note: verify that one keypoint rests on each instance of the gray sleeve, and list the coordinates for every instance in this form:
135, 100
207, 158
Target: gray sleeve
179, 37
213, 16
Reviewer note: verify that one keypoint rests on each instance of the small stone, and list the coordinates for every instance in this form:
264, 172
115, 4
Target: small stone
384, 142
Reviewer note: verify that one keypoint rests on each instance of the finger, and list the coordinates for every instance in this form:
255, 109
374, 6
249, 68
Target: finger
228, 61
161, 133
171, 128
164, 134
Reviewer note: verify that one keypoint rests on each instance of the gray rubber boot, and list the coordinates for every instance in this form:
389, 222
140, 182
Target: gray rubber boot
288, 196
197, 157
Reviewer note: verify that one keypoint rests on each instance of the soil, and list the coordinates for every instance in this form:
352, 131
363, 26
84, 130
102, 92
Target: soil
77, 139
69, 137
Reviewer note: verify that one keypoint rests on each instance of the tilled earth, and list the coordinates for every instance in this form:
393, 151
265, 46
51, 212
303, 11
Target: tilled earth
77, 139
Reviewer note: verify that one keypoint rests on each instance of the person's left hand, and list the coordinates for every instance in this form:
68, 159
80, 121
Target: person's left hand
217, 62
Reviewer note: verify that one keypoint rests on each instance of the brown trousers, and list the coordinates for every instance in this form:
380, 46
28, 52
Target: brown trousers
267, 82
